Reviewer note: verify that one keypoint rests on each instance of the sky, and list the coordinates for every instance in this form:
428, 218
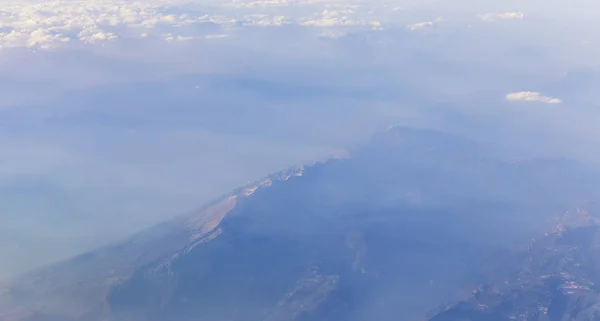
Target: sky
116, 115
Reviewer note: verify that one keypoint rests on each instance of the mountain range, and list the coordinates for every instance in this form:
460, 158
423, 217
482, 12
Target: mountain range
413, 225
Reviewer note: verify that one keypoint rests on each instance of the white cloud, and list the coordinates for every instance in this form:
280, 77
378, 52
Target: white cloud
43, 38
420, 25
171, 37
48, 24
93, 35
501, 16
331, 18
264, 20
52, 23
531, 96
346, 17
263, 3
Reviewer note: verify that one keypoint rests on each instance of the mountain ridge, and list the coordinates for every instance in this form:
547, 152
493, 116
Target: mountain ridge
339, 239
185, 231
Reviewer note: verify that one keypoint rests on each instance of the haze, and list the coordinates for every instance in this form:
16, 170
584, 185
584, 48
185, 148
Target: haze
116, 115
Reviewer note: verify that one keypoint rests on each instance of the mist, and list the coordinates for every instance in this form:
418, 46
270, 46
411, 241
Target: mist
103, 137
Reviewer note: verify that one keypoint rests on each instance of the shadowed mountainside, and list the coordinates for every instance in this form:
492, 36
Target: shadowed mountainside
411, 220
556, 278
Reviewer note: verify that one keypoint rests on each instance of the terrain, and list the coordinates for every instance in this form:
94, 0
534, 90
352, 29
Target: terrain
555, 279
403, 229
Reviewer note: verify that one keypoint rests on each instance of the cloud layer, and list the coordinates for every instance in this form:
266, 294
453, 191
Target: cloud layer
52, 23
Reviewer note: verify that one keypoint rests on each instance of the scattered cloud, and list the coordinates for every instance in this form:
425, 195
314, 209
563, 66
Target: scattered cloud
502, 16
48, 24
171, 37
51, 24
531, 96
332, 18
420, 25
268, 3
264, 20
330, 34
91, 36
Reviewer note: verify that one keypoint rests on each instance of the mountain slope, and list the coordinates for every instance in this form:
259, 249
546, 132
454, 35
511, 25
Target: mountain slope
555, 279
79, 285
411, 220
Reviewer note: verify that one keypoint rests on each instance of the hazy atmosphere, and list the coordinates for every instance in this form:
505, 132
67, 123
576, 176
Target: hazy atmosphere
117, 115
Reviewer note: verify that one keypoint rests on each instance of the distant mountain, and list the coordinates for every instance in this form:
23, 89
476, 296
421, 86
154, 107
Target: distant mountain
557, 278
409, 221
